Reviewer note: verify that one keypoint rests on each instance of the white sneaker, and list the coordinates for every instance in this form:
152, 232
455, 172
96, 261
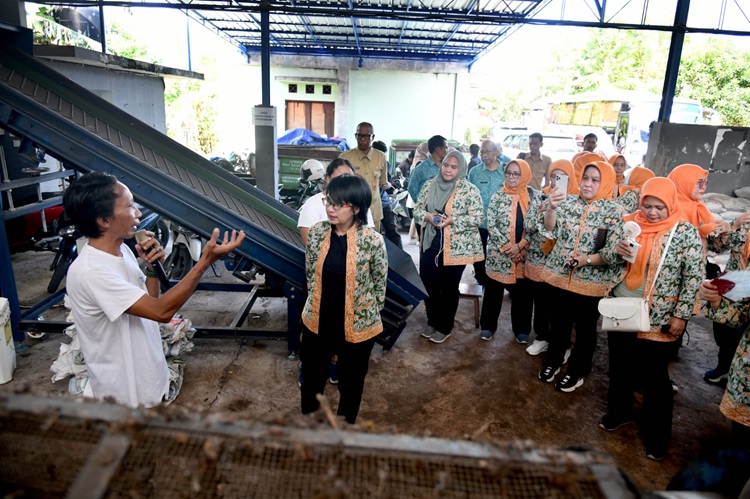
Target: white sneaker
537, 347
567, 355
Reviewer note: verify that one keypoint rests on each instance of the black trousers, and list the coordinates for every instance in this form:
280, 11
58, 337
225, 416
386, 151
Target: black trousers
632, 359
727, 338
520, 308
571, 309
352, 365
480, 272
441, 283
541, 293
388, 227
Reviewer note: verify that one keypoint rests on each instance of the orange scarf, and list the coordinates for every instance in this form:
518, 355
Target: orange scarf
637, 178
521, 191
607, 183
567, 167
665, 191
685, 177
582, 161
620, 179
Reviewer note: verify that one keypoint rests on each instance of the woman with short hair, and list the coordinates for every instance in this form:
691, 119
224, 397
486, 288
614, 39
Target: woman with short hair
347, 266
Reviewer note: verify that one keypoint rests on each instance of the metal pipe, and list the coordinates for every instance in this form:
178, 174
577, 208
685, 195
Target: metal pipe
673, 59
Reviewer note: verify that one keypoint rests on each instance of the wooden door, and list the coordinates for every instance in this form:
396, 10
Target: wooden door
315, 116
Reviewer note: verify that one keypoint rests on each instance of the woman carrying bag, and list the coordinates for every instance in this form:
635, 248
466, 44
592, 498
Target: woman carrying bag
667, 271
450, 210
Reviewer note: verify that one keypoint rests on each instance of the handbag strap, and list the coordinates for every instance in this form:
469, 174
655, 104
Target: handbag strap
663, 257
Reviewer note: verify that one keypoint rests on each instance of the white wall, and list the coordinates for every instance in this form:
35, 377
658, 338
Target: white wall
400, 104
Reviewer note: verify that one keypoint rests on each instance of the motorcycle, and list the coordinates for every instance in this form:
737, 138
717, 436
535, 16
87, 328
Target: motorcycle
307, 189
183, 249
398, 196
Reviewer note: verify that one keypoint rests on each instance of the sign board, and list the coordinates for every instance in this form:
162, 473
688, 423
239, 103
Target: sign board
264, 116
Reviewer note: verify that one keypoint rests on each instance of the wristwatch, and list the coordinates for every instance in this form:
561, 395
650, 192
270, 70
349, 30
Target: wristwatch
588, 260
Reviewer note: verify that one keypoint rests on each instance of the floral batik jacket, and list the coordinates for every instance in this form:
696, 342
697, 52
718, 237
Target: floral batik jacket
366, 280
462, 242
501, 225
579, 226
734, 242
677, 284
736, 401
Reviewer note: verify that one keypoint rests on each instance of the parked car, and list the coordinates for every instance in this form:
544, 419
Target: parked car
554, 146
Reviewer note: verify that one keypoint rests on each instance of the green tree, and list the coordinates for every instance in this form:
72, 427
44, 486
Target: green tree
621, 59
718, 75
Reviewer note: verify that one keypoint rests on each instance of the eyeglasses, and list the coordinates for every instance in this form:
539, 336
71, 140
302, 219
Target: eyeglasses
483, 152
335, 206
364, 135
513, 174
702, 182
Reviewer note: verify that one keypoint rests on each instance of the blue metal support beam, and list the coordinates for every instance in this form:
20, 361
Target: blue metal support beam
673, 59
265, 58
356, 38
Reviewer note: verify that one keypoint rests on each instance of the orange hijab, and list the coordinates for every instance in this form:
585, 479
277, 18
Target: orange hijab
685, 177
611, 161
567, 167
521, 191
666, 191
638, 176
607, 184
582, 161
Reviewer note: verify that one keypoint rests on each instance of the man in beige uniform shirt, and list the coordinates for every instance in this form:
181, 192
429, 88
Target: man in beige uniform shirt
371, 164
538, 162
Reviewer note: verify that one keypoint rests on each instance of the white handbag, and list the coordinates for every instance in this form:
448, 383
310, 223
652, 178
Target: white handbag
630, 315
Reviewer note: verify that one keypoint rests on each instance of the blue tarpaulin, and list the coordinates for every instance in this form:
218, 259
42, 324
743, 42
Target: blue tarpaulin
303, 137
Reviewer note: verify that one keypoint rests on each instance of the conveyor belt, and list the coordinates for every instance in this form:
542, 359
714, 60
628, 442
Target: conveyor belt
83, 130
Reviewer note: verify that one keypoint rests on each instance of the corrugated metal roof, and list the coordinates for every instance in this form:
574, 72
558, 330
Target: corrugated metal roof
441, 30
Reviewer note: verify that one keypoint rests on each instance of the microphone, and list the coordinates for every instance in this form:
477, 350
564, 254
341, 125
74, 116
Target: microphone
141, 237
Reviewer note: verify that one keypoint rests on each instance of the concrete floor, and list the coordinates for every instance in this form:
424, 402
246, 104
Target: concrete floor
463, 388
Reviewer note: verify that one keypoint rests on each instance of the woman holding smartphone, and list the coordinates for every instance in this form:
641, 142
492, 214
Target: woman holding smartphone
671, 295
346, 265
450, 209
540, 244
582, 268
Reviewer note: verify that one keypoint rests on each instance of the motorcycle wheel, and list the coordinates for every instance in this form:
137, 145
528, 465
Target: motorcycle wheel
58, 275
179, 263
161, 232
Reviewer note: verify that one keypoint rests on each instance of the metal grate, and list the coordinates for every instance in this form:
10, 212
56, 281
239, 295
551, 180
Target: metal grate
52, 445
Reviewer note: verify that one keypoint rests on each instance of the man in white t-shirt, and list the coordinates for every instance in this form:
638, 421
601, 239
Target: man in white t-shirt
116, 308
313, 210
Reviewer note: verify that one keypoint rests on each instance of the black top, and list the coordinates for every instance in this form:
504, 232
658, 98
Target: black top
333, 287
519, 223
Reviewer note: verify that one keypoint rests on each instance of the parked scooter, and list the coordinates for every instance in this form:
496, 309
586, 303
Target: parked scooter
312, 175
183, 249
398, 195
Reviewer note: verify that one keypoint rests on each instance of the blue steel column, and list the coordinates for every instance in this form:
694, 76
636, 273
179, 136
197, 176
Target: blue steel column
673, 60
8, 281
265, 54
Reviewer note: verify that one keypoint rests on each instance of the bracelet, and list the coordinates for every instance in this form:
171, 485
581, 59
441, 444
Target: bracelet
149, 273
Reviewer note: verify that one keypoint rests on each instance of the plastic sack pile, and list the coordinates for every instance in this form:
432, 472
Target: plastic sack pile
175, 338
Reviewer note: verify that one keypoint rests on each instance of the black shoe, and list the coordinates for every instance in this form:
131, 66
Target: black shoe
716, 376
656, 454
548, 374
610, 423
569, 383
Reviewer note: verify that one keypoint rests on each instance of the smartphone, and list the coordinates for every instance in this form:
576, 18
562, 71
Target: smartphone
561, 183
